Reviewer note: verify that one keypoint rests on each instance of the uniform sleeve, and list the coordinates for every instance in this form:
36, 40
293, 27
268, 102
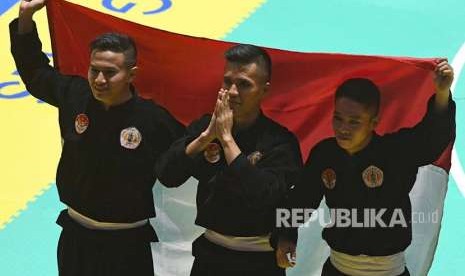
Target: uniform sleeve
264, 184
424, 143
41, 80
174, 167
306, 193
173, 129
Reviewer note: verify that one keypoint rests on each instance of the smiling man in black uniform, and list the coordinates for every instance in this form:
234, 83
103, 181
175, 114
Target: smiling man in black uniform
366, 180
112, 139
241, 159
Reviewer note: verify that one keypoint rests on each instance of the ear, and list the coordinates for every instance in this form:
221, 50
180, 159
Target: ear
266, 88
375, 121
133, 73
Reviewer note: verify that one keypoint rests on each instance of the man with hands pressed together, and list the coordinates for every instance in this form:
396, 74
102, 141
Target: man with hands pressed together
360, 172
241, 159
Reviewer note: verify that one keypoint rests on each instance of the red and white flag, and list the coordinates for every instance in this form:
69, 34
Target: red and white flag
184, 73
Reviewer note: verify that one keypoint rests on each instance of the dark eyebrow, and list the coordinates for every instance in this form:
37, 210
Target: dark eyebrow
105, 68
245, 80
350, 117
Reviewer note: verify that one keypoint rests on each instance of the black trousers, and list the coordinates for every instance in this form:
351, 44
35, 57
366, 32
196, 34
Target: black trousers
86, 252
330, 270
214, 260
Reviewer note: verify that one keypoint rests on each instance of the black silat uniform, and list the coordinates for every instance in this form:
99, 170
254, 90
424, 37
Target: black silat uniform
107, 166
378, 177
235, 200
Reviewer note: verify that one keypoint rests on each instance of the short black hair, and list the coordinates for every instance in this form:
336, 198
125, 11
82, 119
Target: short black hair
118, 43
244, 54
361, 90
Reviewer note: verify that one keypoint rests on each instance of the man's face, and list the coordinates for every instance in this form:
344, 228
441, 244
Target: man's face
353, 124
109, 77
246, 85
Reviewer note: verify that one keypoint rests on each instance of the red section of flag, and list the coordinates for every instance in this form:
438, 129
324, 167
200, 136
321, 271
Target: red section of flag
184, 74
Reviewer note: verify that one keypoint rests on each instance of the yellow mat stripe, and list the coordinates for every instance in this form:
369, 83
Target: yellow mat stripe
205, 18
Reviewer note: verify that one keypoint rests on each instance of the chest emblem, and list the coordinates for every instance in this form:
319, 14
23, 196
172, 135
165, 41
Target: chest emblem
373, 176
212, 153
329, 178
81, 123
254, 157
130, 138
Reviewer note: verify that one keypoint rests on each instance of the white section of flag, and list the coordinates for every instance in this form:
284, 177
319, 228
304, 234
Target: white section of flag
457, 169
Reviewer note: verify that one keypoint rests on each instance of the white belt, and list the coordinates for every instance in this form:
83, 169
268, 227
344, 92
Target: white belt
254, 243
363, 265
98, 225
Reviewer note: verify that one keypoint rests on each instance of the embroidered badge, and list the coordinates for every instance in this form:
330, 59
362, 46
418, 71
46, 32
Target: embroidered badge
254, 157
373, 176
81, 123
329, 178
130, 138
212, 153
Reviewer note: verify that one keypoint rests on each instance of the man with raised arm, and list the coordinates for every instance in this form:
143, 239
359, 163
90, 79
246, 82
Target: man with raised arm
112, 138
366, 179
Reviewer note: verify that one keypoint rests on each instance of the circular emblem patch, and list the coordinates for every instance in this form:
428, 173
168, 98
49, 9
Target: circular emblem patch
254, 157
212, 153
130, 138
81, 123
373, 177
329, 178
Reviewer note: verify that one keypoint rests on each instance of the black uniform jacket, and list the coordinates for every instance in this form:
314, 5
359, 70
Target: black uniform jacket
236, 199
107, 165
375, 181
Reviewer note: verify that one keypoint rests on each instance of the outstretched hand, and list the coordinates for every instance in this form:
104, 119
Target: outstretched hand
444, 76
31, 6
27, 8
